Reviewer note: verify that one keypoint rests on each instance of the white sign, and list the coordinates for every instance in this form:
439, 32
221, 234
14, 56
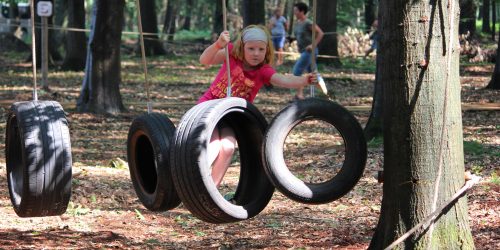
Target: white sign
44, 9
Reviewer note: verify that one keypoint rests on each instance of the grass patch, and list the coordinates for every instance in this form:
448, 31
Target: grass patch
376, 142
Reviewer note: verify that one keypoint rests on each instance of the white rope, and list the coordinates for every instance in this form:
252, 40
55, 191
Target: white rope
433, 216
143, 54
33, 49
226, 49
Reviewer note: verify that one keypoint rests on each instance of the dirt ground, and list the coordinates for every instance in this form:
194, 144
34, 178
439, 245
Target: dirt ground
104, 212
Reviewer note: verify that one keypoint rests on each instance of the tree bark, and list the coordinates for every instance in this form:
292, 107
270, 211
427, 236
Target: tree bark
253, 12
370, 14
375, 125
218, 21
170, 16
54, 54
495, 79
152, 44
100, 91
467, 17
493, 19
76, 46
419, 68
327, 20
189, 13
486, 17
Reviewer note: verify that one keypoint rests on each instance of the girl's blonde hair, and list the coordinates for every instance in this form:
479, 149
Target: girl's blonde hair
239, 52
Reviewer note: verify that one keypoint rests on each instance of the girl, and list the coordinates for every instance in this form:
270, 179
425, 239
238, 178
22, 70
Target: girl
250, 66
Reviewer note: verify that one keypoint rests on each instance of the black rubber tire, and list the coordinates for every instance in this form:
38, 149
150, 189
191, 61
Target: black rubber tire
148, 148
38, 154
191, 171
355, 151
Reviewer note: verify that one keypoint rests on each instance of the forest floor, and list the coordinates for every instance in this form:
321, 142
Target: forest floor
104, 211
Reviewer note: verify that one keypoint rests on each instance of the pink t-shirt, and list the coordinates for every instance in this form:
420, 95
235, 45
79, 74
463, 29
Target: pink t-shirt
244, 84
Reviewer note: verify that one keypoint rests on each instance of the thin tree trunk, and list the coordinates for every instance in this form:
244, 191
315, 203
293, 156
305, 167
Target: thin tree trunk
76, 46
152, 44
493, 19
423, 144
54, 54
467, 17
369, 14
189, 13
486, 17
327, 20
253, 12
100, 91
375, 125
495, 79
170, 16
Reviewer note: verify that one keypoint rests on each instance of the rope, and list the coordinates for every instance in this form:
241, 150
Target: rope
33, 49
445, 108
226, 49
313, 48
431, 218
143, 54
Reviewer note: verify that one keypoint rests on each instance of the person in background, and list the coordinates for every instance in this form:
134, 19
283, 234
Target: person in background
278, 26
250, 63
374, 35
303, 33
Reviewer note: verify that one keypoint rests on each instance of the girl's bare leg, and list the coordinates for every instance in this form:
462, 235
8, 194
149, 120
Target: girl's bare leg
220, 152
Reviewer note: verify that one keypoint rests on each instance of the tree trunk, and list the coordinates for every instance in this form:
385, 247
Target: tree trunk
54, 54
218, 21
152, 44
419, 68
369, 14
170, 16
327, 20
375, 125
100, 91
486, 16
467, 17
493, 19
189, 13
76, 46
253, 12
495, 79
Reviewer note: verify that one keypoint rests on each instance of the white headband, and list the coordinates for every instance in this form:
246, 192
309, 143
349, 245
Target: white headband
254, 34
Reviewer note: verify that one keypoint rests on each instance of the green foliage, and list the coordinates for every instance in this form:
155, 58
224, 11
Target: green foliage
376, 142
359, 64
186, 35
495, 179
474, 148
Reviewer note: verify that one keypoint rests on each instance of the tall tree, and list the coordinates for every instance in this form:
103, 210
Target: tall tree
76, 46
152, 44
374, 126
54, 54
327, 21
169, 24
100, 91
486, 16
467, 17
370, 14
495, 79
423, 144
189, 13
217, 20
254, 12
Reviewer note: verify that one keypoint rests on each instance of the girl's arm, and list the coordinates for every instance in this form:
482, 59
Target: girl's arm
291, 81
215, 54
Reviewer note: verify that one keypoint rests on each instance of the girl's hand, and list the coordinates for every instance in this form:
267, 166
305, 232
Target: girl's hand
223, 40
312, 78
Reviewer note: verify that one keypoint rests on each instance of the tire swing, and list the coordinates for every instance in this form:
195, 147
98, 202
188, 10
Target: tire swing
148, 146
191, 168
332, 113
38, 153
